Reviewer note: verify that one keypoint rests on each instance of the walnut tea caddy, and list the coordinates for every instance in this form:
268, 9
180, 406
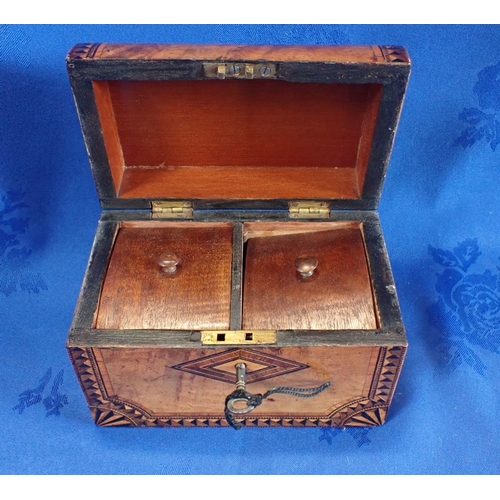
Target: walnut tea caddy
239, 274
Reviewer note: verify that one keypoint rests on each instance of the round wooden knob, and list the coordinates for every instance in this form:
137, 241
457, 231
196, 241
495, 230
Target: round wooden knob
168, 262
305, 266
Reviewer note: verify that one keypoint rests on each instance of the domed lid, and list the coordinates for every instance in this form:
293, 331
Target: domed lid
238, 126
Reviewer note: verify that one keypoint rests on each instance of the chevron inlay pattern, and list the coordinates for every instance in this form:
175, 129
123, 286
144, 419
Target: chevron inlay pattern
394, 54
362, 412
84, 50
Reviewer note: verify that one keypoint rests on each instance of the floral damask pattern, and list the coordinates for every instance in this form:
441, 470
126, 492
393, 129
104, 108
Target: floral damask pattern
15, 269
54, 401
483, 122
359, 434
467, 312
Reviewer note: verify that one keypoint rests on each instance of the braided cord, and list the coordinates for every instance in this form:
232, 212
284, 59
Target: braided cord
254, 400
300, 393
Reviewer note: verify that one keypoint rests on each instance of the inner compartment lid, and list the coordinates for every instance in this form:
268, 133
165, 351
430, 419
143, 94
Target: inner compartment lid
238, 123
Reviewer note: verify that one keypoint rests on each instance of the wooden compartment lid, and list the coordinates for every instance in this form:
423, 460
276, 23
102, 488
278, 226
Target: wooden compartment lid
238, 126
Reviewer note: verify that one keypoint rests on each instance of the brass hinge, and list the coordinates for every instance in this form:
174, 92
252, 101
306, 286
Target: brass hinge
309, 210
172, 209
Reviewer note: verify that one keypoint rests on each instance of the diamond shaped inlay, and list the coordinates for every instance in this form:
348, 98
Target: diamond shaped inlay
251, 367
260, 366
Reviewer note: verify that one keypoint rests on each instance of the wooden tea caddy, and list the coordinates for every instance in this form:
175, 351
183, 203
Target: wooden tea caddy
239, 254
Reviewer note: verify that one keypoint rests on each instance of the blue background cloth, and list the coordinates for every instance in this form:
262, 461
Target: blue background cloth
439, 212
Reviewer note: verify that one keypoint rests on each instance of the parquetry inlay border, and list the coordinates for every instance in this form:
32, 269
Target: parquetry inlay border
83, 51
363, 412
394, 54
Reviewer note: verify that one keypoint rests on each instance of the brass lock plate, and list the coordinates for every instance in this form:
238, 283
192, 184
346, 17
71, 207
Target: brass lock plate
238, 337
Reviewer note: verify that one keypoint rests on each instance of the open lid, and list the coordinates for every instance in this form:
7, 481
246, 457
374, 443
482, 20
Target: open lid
238, 126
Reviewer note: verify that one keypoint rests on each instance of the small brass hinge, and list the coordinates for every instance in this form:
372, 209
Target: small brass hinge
309, 210
172, 209
220, 337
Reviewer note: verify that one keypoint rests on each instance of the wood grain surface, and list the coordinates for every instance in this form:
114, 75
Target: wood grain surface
159, 381
137, 294
238, 139
337, 296
239, 183
110, 132
295, 53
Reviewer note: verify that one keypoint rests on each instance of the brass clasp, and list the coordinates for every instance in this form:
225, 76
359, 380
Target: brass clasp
240, 70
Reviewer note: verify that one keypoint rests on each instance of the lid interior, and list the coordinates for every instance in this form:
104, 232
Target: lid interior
233, 139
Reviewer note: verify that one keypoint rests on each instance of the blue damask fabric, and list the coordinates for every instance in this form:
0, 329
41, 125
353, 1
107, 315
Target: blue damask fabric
440, 215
